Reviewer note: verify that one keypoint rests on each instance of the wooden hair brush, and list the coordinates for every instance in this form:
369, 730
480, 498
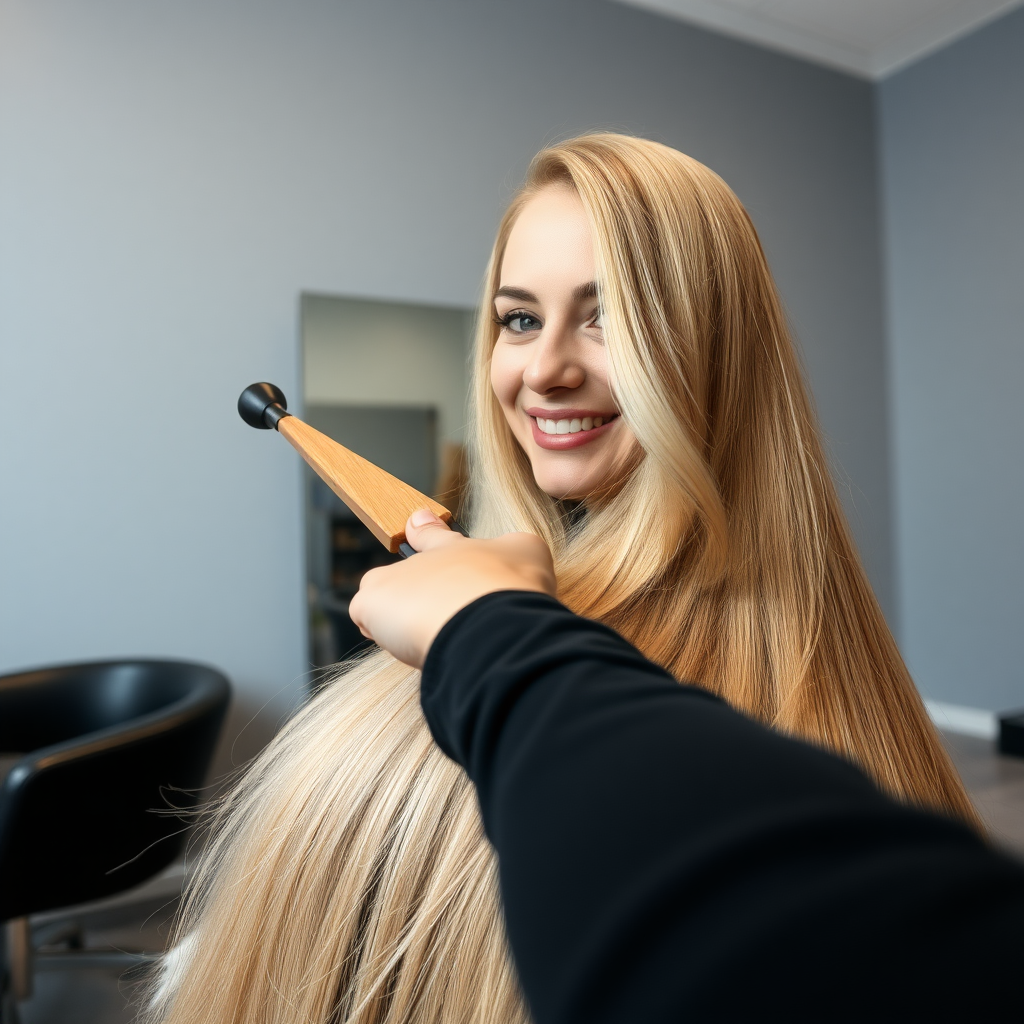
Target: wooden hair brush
380, 500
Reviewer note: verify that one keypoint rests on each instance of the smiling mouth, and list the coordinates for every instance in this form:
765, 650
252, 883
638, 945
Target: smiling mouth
569, 432
571, 426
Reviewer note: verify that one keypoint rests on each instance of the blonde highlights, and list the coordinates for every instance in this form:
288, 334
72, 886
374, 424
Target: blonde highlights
349, 879
726, 556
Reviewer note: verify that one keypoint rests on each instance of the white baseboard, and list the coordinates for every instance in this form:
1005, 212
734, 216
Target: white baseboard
969, 721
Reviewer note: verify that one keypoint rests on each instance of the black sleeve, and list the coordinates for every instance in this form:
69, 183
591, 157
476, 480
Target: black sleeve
664, 858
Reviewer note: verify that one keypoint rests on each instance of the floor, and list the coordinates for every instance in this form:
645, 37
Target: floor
996, 785
109, 997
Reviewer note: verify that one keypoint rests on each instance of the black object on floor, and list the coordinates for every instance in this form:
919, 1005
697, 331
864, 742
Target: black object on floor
1011, 733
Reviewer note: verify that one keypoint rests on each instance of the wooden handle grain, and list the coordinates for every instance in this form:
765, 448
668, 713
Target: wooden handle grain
380, 500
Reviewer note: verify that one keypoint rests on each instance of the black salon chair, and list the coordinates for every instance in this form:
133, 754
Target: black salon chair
103, 746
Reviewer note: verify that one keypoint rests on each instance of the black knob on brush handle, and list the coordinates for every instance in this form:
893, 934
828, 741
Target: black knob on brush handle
262, 405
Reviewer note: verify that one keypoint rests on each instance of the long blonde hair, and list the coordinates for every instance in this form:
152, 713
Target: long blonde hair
348, 878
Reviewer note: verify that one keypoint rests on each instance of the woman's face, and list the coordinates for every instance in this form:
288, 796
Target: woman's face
549, 368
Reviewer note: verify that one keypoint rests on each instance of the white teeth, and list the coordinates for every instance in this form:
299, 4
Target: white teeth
569, 426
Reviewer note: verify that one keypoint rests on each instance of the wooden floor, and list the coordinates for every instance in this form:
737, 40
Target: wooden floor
996, 785
103, 997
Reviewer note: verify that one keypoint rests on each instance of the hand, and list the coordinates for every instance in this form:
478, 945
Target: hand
402, 607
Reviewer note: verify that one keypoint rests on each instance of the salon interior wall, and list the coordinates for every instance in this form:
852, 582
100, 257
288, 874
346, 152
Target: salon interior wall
952, 140
174, 175
388, 353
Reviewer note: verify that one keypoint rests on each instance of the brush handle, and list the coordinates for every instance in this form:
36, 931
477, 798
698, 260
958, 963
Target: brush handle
381, 501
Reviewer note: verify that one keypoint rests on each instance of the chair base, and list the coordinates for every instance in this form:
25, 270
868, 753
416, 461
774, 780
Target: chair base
93, 960
22, 960
19, 958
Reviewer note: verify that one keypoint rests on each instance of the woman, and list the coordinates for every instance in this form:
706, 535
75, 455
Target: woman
638, 404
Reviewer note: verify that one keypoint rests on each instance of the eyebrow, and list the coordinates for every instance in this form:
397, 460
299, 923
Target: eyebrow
579, 294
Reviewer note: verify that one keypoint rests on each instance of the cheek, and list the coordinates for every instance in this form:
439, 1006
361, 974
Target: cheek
597, 369
506, 377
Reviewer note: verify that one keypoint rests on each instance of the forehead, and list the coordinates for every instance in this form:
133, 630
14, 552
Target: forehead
550, 241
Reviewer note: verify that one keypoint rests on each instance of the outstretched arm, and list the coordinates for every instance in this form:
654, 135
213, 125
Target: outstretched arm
664, 858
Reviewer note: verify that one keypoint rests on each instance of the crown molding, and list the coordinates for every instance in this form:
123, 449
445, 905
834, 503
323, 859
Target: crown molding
883, 57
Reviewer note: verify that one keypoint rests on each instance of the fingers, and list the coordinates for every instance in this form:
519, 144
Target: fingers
425, 531
403, 606
356, 609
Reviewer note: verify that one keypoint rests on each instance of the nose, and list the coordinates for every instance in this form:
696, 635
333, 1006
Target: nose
554, 362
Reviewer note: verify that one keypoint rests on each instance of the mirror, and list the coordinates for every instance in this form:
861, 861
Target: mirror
389, 380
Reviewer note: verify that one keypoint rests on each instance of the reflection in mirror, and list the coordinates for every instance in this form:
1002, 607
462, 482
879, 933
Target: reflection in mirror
390, 381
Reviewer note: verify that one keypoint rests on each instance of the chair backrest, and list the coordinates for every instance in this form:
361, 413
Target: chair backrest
104, 745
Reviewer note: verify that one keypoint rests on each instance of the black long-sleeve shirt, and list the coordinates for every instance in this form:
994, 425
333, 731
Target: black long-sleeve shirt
664, 858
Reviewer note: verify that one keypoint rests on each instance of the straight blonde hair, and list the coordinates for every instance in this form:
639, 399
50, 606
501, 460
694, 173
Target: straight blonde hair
348, 878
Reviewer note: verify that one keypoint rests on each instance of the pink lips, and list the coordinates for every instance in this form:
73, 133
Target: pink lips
564, 442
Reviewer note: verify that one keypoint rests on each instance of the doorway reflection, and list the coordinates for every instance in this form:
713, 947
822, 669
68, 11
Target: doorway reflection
390, 381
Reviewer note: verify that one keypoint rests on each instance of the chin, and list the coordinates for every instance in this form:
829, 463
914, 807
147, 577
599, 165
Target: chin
562, 489
604, 483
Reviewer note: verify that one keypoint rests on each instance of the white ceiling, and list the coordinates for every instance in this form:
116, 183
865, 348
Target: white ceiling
870, 38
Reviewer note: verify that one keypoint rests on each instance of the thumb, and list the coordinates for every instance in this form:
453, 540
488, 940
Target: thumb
425, 531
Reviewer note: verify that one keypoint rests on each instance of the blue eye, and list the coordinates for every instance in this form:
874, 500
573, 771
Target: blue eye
518, 322
522, 324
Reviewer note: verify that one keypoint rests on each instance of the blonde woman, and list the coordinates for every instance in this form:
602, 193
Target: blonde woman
638, 405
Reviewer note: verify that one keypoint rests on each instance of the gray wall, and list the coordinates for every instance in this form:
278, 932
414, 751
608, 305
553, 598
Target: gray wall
952, 130
365, 352
173, 175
